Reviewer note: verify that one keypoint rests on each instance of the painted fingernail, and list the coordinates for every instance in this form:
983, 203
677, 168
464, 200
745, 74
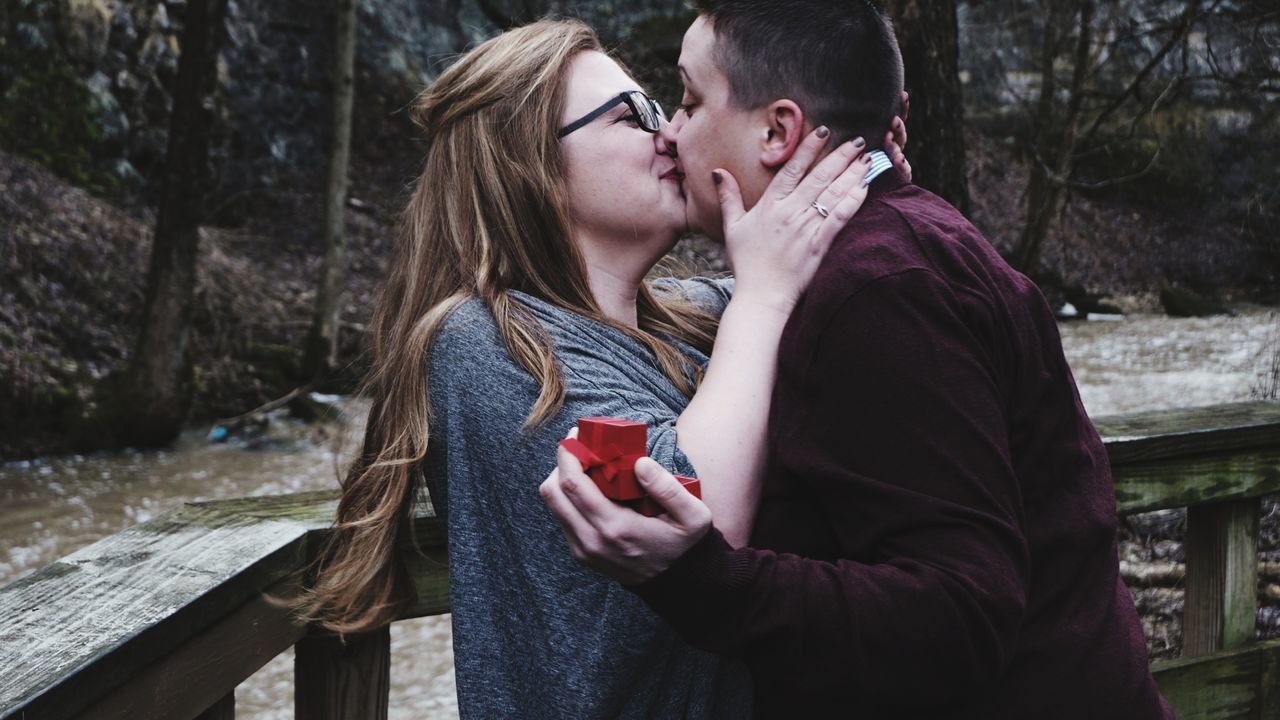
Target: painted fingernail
859, 143
716, 177
823, 132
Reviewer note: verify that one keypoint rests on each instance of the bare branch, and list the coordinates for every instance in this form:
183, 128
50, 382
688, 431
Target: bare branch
1112, 182
1184, 27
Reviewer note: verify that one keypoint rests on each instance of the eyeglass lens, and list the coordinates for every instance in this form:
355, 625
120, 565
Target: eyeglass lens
647, 110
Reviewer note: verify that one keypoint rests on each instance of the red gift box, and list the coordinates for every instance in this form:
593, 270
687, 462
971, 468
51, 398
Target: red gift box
608, 449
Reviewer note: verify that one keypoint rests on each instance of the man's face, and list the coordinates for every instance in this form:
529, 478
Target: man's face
709, 133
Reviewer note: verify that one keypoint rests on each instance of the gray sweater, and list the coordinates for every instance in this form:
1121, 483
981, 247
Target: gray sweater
536, 635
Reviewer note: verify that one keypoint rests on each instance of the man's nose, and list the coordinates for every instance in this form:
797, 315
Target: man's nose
665, 139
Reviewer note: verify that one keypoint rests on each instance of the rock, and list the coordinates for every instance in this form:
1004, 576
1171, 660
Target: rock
1089, 303
160, 20
86, 28
28, 37
127, 174
124, 33
240, 34
223, 73
397, 64
1181, 302
315, 407
128, 85
154, 105
112, 120
157, 56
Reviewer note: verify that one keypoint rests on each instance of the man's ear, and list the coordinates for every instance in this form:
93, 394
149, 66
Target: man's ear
783, 133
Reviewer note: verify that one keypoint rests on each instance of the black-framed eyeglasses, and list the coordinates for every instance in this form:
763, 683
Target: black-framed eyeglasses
647, 112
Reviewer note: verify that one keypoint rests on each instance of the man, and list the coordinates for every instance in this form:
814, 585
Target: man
936, 535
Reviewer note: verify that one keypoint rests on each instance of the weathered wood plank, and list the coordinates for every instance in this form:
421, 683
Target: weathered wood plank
104, 612
429, 568
1222, 576
338, 679
86, 624
202, 669
224, 709
1228, 684
1269, 687
1169, 483
1188, 432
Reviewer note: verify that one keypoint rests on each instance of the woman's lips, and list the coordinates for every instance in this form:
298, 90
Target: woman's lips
678, 177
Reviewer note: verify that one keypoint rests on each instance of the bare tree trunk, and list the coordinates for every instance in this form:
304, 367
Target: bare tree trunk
158, 379
1039, 214
1055, 142
322, 339
929, 37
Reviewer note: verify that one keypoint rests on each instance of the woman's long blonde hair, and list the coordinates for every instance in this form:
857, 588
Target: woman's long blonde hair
488, 215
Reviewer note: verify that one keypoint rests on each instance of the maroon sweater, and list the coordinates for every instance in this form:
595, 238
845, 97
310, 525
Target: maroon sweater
937, 534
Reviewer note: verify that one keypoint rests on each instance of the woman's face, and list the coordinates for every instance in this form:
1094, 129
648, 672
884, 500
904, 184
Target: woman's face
624, 190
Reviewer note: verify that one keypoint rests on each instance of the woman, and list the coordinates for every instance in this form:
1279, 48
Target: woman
545, 198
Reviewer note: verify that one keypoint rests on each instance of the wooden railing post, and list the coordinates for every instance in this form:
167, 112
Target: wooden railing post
224, 709
1222, 576
336, 680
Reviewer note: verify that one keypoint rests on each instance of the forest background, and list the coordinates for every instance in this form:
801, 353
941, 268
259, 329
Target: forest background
198, 197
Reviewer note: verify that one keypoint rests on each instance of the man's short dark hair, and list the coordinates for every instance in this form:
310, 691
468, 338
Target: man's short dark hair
838, 59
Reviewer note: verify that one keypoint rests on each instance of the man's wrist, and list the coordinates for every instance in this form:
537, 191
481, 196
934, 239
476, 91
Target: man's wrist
706, 562
667, 563
702, 594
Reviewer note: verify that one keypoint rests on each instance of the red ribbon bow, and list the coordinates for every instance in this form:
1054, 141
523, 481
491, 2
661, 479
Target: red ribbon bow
608, 449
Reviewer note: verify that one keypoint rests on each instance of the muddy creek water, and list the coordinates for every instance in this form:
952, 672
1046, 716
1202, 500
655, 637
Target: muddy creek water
52, 506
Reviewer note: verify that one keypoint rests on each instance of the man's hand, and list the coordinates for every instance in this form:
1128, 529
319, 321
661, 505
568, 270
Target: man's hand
616, 541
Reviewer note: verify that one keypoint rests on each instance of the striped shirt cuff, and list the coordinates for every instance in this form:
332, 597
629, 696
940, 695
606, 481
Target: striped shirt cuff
879, 163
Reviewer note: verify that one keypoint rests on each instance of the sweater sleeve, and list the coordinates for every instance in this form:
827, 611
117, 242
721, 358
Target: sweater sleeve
913, 474
604, 375
599, 387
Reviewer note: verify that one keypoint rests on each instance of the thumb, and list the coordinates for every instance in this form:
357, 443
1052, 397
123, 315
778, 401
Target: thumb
664, 489
730, 197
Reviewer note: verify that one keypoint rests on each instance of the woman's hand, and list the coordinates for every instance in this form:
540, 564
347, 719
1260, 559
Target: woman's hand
774, 251
895, 141
775, 248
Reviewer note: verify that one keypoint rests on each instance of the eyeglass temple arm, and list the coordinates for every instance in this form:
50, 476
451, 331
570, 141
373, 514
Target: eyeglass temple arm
591, 116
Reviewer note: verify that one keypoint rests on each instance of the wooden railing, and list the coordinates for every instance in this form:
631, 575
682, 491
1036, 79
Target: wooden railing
1217, 462
165, 619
